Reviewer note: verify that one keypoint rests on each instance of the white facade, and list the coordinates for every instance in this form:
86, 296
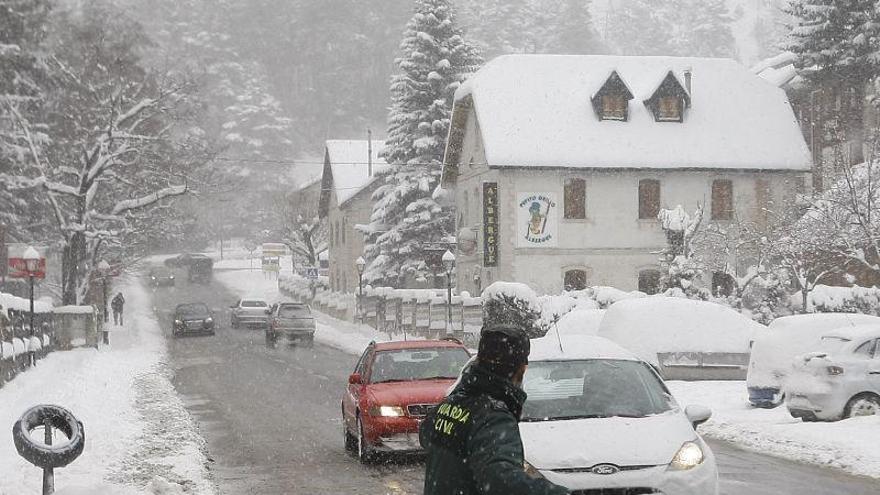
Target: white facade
611, 244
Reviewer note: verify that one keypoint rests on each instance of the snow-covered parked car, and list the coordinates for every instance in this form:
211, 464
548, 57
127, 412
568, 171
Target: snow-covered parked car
839, 379
580, 322
600, 420
787, 337
684, 339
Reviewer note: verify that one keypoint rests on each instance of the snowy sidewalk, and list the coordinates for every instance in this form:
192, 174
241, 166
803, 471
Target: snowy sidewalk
139, 437
345, 336
852, 445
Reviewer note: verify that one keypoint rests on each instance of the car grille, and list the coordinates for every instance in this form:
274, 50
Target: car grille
616, 491
419, 410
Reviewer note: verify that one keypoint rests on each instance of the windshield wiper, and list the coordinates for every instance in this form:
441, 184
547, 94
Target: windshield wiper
438, 378
394, 380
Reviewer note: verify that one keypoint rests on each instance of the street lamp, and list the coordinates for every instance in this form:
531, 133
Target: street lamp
448, 260
103, 271
361, 264
32, 264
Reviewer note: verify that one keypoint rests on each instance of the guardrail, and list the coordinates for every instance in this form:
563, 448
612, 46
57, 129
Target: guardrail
396, 312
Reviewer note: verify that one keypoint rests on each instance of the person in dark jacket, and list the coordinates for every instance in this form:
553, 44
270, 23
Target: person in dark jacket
118, 304
472, 438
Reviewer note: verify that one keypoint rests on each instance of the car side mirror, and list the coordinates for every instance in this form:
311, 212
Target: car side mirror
697, 415
355, 379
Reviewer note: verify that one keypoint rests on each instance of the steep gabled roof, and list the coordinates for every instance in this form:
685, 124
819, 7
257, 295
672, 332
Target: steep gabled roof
613, 84
346, 169
534, 111
669, 85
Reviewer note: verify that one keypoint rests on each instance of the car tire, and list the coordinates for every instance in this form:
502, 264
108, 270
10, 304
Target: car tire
362, 447
233, 322
40, 454
862, 405
309, 341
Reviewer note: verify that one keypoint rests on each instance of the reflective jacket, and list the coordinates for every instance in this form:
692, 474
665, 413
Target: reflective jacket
473, 443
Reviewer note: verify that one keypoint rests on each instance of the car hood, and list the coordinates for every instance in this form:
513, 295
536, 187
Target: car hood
583, 443
404, 393
192, 316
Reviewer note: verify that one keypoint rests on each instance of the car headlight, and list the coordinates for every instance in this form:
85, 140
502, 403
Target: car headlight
532, 471
209, 320
171, 277
689, 456
387, 411
153, 278
178, 322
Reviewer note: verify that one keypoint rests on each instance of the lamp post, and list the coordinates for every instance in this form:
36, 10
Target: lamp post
360, 263
32, 264
448, 260
478, 281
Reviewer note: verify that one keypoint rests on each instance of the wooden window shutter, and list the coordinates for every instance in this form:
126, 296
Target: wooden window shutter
722, 199
575, 198
649, 198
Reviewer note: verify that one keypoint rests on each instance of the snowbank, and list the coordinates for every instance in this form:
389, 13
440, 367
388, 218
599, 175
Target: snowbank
581, 322
138, 434
666, 324
789, 336
852, 445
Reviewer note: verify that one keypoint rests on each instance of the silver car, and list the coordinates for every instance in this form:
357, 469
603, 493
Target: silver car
293, 321
250, 313
839, 380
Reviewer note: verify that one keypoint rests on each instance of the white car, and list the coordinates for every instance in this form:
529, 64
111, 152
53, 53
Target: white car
252, 312
841, 379
787, 337
599, 418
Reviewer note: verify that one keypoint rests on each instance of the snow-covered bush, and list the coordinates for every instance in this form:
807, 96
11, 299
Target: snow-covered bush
826, 299
514, 303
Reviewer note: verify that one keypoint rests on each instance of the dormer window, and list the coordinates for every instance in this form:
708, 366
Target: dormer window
611, 102
669, 100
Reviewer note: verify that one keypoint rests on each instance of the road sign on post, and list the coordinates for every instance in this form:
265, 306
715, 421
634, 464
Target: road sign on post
311, 272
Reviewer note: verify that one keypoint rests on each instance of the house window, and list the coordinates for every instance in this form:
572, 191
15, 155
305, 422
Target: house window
649, 198
722, 199
575, 280
723, 284
649, 281
344, 228
669, 108
575, 196
613, 107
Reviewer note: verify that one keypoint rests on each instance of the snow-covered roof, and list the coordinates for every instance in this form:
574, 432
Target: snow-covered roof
348, 162
862, 331
779, 70
535, 111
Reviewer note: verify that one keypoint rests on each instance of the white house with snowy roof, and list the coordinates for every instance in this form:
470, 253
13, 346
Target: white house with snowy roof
560, 164
351, 168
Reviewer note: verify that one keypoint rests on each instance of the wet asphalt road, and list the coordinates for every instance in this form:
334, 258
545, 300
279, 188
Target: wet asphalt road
271, 418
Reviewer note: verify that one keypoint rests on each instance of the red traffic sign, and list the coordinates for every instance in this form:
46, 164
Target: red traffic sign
18, 268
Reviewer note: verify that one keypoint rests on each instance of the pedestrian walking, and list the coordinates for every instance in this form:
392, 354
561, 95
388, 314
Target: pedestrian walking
118, 304
472, 438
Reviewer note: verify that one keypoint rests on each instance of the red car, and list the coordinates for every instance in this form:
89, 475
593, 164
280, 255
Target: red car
391, 390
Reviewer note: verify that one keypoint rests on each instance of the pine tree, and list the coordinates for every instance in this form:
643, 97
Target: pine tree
573, 31
640, 27
704, 29
434, 61
839, 38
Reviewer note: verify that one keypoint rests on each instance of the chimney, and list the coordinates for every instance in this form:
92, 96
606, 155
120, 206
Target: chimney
369, 153
687, 80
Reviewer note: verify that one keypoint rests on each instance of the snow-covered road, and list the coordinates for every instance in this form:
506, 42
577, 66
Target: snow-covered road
139, 436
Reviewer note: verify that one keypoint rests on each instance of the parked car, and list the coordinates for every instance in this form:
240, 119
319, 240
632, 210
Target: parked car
293, 321
192, 318
200, 270
392, 388
787, 337
598, 419
672, 334
840, 379
250, 312
161, 277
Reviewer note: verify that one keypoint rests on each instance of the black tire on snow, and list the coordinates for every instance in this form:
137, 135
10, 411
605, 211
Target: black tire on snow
49, 456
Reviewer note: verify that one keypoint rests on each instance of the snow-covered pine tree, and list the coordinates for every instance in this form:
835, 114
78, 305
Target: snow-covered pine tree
434, 61
640, 27
837, 38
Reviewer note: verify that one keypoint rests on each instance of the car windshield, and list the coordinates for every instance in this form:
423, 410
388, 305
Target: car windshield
418, 364
195, 309
253, 304
596, 388
294, 311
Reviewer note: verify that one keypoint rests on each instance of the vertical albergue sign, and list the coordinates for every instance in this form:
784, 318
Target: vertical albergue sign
490, 224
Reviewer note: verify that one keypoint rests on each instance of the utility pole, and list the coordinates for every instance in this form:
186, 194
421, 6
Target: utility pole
369, 153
